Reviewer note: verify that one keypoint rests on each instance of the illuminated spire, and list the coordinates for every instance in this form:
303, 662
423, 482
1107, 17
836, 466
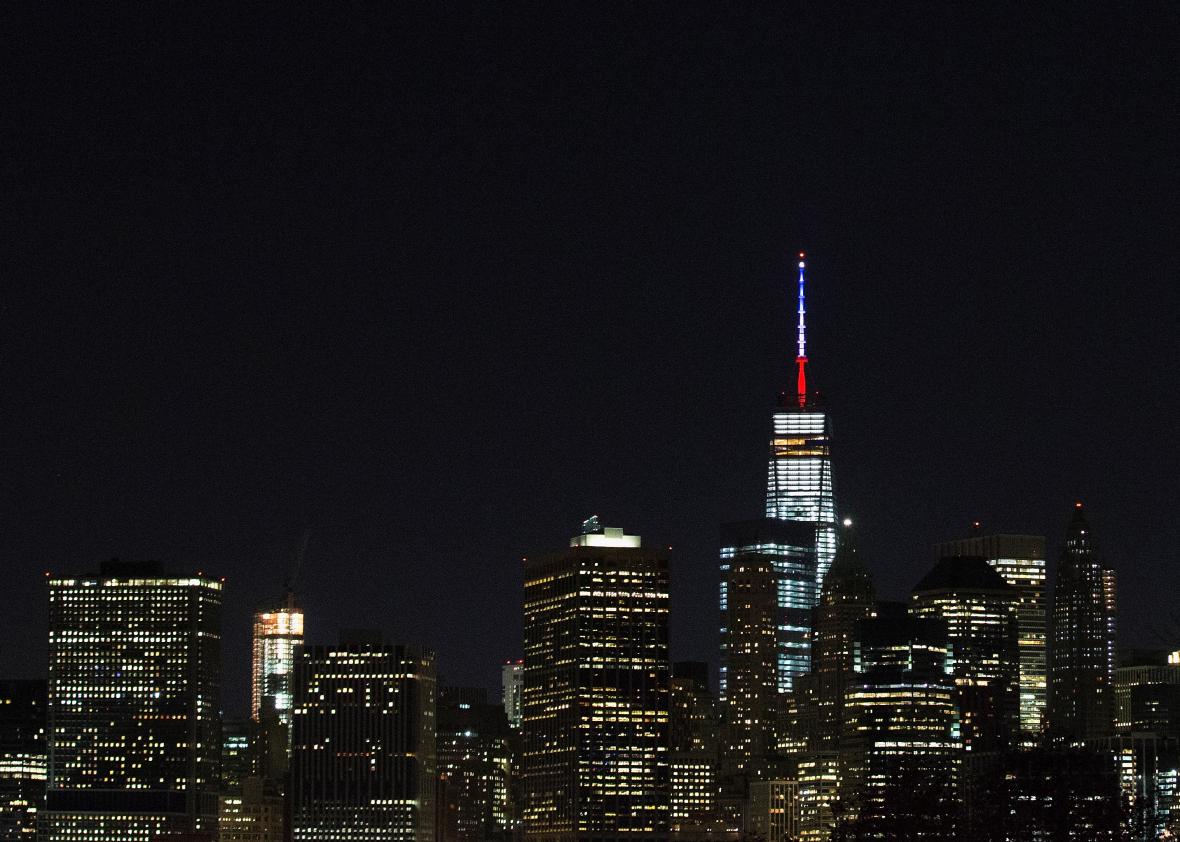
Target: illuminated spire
801, 359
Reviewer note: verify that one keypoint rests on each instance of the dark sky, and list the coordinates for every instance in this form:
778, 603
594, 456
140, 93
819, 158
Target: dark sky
436, 282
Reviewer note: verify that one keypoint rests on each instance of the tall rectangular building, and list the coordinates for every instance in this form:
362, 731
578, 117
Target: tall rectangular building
278, 629
788, 550
134, 704
24, 762
596, 691
1081, 702
1020, 560
474, 767
363, 763
512, 684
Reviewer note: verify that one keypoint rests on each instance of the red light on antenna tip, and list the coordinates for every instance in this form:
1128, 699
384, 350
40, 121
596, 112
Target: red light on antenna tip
801, 255
1078, 504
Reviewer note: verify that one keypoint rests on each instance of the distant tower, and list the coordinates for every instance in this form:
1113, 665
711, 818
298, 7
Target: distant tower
979, 609
799, 476
1020, 560
848, 599
1081, 705
278, 629
512, 683
596, 690
767, 592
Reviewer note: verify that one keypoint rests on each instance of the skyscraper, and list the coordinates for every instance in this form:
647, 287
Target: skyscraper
278, 629
693, 744
363, 759
596, 690
23, 758
134, 701
512, 683
799, 476
767, 593
847, 600
979, 609
1081, 706
474, 764
1020, 560
902, 741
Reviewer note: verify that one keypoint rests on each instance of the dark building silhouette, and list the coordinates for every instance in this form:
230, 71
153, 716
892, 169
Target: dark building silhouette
693, 744
901, 749
134, 704
847, 600
363, 755
24, 758
474, 766
979, 609
595, 699
1081, 703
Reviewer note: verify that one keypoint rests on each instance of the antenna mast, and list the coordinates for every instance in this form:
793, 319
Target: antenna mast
801, 359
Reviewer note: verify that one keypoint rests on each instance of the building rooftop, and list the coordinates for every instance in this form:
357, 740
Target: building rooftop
962, 572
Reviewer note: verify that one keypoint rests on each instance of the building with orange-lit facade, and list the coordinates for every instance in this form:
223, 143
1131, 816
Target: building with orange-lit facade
278, 629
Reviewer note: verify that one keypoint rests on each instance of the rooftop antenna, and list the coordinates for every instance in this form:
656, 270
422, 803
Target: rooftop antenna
801, 359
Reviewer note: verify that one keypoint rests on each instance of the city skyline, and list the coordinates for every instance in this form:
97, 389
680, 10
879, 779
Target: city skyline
398, 301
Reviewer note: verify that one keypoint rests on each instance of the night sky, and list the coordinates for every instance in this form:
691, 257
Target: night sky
437, 282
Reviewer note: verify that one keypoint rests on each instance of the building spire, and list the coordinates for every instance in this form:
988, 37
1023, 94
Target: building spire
801, 359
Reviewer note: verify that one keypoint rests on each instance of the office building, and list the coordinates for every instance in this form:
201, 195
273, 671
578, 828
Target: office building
24, 759
253, 812
847, 600
474, 766
595, 702
693, 743
821, 802
1147, 693
363, 756
773, 814
512, 683
799, 477
786, 551
134, 702
767, 592
902, 746
1020, 560
278, 629
979, 609
1081, 707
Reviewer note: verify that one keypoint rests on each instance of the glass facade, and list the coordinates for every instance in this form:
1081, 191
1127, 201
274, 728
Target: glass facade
790, 552
799, 479
277, 631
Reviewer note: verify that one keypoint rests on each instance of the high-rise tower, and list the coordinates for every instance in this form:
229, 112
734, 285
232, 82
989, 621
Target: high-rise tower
278, 629
799, 477
596, 691
363, 765
1080, 686
848, 599
1020, 560
134, 697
